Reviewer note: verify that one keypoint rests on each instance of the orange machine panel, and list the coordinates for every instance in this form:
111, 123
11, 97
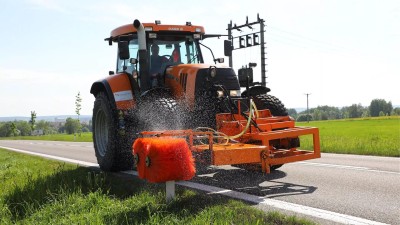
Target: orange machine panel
182, 80
129, 28
122, 91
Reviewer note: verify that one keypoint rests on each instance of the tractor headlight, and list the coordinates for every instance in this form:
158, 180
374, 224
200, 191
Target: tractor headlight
212, 71
234, 93
220, 94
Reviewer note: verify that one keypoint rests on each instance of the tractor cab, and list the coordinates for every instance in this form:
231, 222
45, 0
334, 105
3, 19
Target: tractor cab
161, 46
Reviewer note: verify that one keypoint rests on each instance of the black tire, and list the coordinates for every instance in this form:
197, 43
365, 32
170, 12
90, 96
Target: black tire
160, 112
264, 101
113, 153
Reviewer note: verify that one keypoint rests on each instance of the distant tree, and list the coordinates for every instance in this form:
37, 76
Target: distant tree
355, 111
14, 130
303, 117
396, 111
5, 130
389, 108
292, 113
71, 125
316, 114
32, 121
325, 113
44, 126
380, 105
78, 108
61, 129
24, 128
85, 129
78, 105
365, 113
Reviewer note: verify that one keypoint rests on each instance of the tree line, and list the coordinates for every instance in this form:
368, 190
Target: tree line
377, 107
24, 128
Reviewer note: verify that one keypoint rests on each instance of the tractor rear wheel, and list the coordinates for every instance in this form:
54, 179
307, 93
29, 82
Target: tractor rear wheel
113, 153
264, 101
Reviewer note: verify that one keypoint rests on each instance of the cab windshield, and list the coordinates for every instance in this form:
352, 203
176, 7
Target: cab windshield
171, 49
177, 49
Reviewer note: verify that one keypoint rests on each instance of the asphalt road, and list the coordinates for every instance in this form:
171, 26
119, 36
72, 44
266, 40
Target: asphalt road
361, 186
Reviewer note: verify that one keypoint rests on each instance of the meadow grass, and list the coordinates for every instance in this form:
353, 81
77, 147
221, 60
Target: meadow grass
40, 191
84, 137
369, 136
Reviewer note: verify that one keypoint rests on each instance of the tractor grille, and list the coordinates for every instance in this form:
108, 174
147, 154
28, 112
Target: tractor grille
183, 80
225, 77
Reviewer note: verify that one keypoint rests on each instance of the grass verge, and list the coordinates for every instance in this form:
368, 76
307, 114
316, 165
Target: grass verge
369, 136
40, 191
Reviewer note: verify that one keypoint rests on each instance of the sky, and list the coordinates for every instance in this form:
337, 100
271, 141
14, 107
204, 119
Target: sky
342, 52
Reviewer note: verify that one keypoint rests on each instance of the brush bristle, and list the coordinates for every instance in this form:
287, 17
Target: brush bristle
170, 159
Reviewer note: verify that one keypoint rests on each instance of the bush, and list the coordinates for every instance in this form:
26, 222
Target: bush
303, 117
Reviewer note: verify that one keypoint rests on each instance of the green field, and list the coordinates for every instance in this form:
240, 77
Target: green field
39, 191
84, 137
370, 136
378, 136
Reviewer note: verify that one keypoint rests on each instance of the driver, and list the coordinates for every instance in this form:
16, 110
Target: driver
155, 62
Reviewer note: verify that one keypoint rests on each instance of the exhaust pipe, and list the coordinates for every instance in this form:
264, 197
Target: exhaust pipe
143, 60
141, 34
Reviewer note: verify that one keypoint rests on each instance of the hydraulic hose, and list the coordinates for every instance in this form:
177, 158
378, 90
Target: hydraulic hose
247, 125
255, 108
230, 138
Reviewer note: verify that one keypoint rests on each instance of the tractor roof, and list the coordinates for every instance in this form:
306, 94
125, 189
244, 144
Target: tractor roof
129, 28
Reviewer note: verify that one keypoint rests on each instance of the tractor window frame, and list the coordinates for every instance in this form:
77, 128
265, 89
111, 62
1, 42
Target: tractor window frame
133, 53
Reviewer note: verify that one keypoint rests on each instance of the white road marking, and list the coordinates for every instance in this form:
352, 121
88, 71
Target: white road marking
346, 167
74, 161
306, 210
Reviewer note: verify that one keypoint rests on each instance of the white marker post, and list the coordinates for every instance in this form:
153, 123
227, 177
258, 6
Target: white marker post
170, 190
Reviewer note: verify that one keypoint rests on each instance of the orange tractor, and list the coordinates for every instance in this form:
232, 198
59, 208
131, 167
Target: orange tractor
163, 90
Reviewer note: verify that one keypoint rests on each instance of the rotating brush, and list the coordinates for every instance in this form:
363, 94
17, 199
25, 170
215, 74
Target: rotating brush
167, 159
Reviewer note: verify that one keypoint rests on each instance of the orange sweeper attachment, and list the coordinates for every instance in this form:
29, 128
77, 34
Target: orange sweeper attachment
254, 139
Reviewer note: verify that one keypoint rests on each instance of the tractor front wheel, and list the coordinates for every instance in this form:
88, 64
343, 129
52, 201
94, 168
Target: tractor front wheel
112, 153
